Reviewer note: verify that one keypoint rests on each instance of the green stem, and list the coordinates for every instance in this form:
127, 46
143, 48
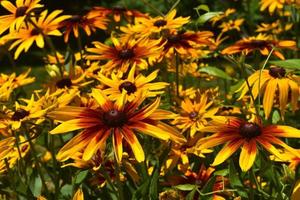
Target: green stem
153, 7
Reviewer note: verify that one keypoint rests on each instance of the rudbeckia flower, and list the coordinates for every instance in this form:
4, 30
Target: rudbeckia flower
231, 25
133, 85
125, 53
272, 5
249, 136
261, 42
186, 43
118, 119
45, 25
276, 84
18, 13
117, 12
196, 114
144, 27
88, 23
292, 159
78, 195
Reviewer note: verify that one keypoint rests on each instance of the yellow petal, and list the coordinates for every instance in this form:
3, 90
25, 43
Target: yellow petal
248, 155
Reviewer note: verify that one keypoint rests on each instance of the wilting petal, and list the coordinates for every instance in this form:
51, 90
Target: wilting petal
269, 96
248, 155
227, 151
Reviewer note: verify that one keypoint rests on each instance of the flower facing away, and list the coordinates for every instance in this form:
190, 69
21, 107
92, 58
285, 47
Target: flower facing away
125, 53
261, 42
238, 133
276, 84
133, 85
18, 13
118, 119
78, 195
44, 25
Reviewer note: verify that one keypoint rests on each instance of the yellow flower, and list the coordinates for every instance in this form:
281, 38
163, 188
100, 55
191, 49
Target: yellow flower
144, 27
196, 114
273, 5
124, 54
231, 25
219, 17
118, 119
132, 84
45, 25
18, 13
261, 42
275, 84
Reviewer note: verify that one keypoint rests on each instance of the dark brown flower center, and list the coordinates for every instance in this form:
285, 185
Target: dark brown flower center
75, 18
114, 118
21, 11
35, 31
160, 23
24, 148
277, 72
126, 54
250, 130
226, 108
193, 115
128, 86
259, 43
65, 82
174, 38
19, 114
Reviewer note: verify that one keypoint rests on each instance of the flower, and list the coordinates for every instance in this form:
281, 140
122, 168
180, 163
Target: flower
78, 195
118, 119
272, 5
273, 81
238, 133
223, 15
18, 13
196, 114
231, 25
261, 42
144, 27
133, 85
88, 23
293, 159
186, 42
125, 53
35, 31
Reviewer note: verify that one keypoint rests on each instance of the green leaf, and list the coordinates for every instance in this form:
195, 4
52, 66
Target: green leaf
207, 16
208, 187
233, 176
185, 187
202, 7
66, 190
275, 117
81, 176
190, 195
214, 71
290, 63
153, 184
223, 172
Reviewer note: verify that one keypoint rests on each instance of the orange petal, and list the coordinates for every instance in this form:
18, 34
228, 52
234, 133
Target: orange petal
248, 155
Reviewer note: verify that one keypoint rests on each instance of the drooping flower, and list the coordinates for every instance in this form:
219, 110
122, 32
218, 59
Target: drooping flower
118, 119
132, 84
273, 81
263, 43
238, 133
125, 53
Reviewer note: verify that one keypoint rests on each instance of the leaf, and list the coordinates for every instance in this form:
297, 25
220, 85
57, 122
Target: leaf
275, 117
81, 176
290, 63
214, 71
66, 190
153, 184
223, 172
233, 176
190, 195
207, 16
185, 187
202, 7
208, 187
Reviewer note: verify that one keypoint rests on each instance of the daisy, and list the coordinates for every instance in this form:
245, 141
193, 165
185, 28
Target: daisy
125, 53
18, 13
238, 133
261, 42
133, 85
118, 119
276, 84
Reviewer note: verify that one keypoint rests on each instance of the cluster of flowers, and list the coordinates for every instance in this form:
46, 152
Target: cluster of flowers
146, 79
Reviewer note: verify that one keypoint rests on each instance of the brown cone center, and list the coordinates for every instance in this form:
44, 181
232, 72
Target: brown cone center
126, 54
250, 130
160, 23
19, 114
114, 118
65, 82
277, 72
128, 86
21, 11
